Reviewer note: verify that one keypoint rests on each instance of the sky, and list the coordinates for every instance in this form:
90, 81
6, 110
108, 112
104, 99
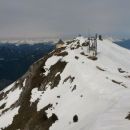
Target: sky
58, 18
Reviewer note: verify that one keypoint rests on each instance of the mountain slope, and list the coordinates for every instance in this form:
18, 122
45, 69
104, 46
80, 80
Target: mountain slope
19, 56
124, 43
68, 89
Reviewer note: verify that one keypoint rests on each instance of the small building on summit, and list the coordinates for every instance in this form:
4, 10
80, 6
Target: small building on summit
60, 44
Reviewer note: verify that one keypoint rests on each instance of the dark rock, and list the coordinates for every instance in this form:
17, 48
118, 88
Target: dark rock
75, 118
76, 57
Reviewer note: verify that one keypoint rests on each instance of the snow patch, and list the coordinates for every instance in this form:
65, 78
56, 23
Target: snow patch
11, 98
51, 61
24, 83
35, 95
7, 118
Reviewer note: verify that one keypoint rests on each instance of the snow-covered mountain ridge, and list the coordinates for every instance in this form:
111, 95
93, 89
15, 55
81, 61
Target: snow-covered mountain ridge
69, 90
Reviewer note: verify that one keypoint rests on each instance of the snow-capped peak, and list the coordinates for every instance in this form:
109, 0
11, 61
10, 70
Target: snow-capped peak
72, 89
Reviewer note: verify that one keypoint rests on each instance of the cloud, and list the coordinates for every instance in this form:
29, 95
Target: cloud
37, 18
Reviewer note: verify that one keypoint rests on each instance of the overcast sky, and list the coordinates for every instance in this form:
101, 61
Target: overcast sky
52, 18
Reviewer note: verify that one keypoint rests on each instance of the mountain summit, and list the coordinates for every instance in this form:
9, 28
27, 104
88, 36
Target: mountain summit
70, 89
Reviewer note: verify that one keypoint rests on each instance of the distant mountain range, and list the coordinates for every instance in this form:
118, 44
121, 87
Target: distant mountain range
124, 43
15, 58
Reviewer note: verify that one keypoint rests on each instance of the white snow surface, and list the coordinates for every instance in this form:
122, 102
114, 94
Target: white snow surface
35, 94
7, 118
99, 103
51, 61
10, 99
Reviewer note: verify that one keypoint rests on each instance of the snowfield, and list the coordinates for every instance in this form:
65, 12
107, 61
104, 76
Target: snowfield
7, 118
97, 91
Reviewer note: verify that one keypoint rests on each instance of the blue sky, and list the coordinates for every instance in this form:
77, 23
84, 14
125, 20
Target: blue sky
55, 18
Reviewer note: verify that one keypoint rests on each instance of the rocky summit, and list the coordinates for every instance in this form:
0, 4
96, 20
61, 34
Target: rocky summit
71, 88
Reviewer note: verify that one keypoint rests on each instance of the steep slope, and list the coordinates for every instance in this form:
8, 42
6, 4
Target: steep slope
70, 90
19, 56
124, 43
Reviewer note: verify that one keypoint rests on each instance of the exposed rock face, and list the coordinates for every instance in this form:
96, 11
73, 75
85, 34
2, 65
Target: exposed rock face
60, 44
21, 56
28, 118
68, 90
